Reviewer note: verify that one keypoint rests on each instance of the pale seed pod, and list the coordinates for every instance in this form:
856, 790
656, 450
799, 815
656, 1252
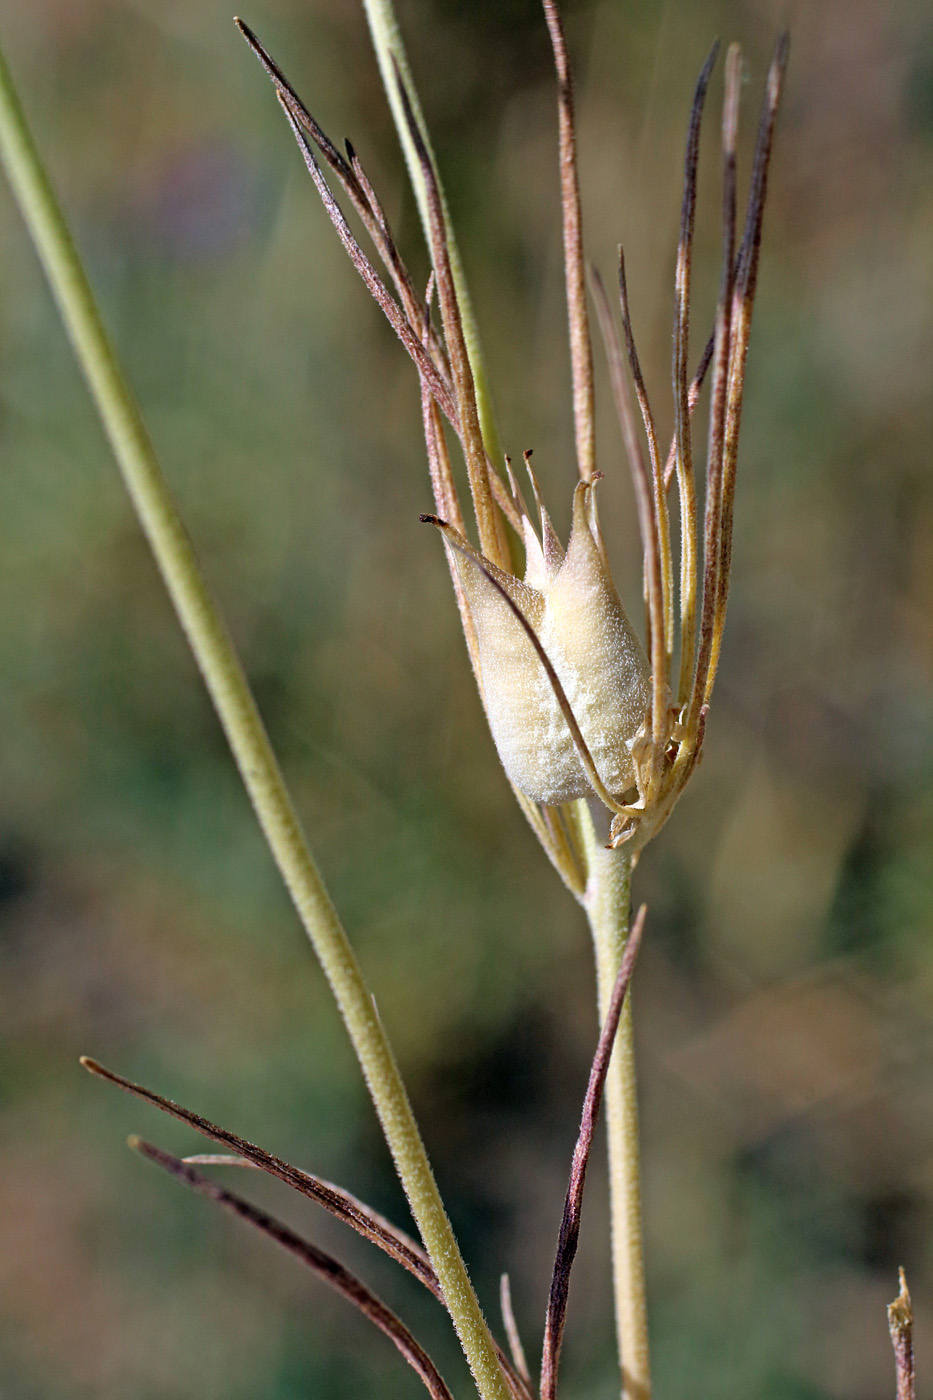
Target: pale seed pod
571, 604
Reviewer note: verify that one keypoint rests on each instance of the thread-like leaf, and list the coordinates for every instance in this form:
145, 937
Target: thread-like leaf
744, 297
491, 536
682, 434
581, 350
322, 1264
713, 516
352, 1212
340, 1203
394, 66
569, 1235
305, 130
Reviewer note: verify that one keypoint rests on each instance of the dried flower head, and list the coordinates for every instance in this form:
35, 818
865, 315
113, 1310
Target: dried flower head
578, 708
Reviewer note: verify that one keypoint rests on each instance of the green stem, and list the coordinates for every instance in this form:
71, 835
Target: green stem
607, 903
387, 41
233, 700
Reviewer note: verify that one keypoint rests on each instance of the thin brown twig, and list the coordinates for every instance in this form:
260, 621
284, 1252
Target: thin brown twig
751, 238
322, 1264
361, 1218
285, 90
369, 207
682, 433
346, 1207
396, 266
359, 190
712, 531
370, 210
492, 539
744, 297
901, 1328
349, 172
363, 196
581, 350
390, 307
429, 337
569, 1234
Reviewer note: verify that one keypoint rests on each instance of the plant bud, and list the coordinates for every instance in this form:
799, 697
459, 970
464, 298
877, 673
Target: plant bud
570, 603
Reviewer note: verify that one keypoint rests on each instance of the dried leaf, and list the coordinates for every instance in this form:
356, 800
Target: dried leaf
324, 1265
570, 1223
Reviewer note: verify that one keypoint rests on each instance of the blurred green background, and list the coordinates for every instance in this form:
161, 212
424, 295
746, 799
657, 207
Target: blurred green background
785, 999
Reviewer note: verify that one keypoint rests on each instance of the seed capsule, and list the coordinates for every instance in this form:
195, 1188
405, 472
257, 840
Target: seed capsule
570, 603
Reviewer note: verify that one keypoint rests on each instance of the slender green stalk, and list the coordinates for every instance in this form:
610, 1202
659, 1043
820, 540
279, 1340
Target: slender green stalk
230, 693
607, 904
390, 53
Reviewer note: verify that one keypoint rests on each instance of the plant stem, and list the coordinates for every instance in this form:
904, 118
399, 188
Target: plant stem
229, 690
390, 53
607, 904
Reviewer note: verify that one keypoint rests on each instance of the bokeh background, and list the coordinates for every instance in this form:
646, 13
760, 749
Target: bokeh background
785, 1000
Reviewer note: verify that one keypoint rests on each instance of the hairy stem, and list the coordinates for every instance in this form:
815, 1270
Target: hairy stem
236, 708
390, 52
607, 903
